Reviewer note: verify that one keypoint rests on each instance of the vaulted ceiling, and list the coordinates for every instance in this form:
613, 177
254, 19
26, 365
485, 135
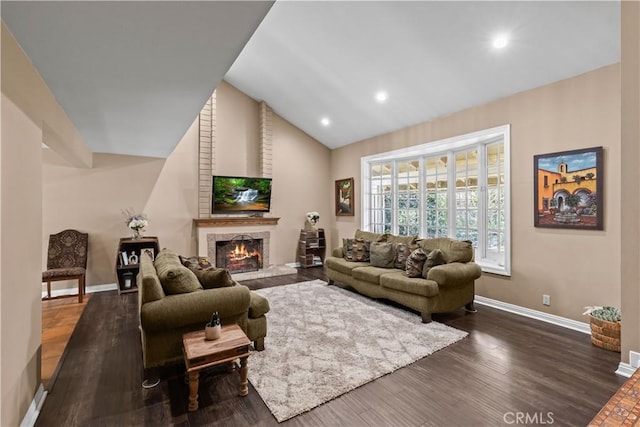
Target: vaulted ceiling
133, 76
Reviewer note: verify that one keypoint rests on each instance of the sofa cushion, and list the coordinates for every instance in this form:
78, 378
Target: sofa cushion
382, 254
434, 258
175, 278
452, 250
342, 265
415, 262
408, 240
356, 250
369, 274
196, 262
372, 237
214, 278
167, 256
399, 281
150, 288
403, 251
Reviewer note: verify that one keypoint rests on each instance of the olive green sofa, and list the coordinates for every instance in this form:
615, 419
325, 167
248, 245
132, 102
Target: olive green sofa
165, 317
446, 287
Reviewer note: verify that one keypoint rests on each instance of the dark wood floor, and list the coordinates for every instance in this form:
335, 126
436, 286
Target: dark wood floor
508, 365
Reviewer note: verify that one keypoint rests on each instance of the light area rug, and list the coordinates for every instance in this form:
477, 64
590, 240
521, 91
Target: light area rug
323, 341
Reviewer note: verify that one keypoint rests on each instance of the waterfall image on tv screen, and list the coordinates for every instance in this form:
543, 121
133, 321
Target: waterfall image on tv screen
241, 194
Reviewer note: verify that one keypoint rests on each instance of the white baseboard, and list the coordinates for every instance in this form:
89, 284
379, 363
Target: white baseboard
74, 291
31, 416
625, 369
535, 314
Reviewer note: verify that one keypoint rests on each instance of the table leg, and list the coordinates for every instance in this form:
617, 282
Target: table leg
193, 390
244, 370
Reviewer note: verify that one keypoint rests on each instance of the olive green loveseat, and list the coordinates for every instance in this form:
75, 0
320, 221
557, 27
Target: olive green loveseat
443, 288
166, 315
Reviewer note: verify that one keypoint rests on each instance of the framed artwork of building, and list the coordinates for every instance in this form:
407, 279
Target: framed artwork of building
568, 189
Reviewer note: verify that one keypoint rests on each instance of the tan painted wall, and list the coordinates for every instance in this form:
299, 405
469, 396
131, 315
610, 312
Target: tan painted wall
300, 165
576, 268
237, 133
630, 212
91, 200
301, 172
30, 116
20, 228
166, 190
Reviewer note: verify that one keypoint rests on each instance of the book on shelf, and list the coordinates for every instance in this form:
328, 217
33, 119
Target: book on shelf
125, 258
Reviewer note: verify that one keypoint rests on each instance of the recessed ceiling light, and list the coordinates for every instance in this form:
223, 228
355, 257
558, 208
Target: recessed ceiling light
500, 41
381, 96
325, 121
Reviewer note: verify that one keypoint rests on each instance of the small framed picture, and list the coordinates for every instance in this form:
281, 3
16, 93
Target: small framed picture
344, 197
150, 252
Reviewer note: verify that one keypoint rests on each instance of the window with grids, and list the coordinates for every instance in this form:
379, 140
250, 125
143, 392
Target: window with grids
380, 196
456, 188
436, 215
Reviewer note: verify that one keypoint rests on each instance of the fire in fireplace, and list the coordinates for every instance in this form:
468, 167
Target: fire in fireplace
240, 254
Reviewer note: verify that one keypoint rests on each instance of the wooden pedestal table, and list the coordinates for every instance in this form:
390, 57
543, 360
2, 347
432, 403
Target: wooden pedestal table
200, 354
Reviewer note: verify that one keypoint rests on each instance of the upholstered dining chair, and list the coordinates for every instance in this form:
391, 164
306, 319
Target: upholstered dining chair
67, 259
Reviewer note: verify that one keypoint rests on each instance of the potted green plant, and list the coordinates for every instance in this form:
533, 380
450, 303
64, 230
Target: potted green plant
605, 325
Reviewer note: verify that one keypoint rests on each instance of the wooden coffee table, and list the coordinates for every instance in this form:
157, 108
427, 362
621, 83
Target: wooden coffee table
200, 354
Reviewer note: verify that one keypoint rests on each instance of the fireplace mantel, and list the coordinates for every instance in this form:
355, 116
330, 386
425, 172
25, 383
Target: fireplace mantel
234, 221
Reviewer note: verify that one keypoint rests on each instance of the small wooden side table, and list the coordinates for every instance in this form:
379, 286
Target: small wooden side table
200, 354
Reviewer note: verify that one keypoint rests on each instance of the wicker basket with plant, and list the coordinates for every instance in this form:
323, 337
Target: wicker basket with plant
605, 327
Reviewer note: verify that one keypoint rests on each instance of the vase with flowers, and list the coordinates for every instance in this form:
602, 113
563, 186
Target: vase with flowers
136, 222
311, 222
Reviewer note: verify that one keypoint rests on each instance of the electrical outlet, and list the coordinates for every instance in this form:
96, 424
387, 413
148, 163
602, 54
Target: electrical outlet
546, 300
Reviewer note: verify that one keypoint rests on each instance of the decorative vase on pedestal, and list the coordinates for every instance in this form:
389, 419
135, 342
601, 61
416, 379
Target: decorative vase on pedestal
137, 233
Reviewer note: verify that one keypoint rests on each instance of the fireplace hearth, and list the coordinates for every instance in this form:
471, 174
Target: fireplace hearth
242, 253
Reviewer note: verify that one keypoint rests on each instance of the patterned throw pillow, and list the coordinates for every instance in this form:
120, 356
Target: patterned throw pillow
434, 258
356, 250
382, 254
415, 262
196, 262
403, 250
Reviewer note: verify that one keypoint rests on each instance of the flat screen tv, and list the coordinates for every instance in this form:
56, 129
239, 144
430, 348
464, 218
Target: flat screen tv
236, 194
